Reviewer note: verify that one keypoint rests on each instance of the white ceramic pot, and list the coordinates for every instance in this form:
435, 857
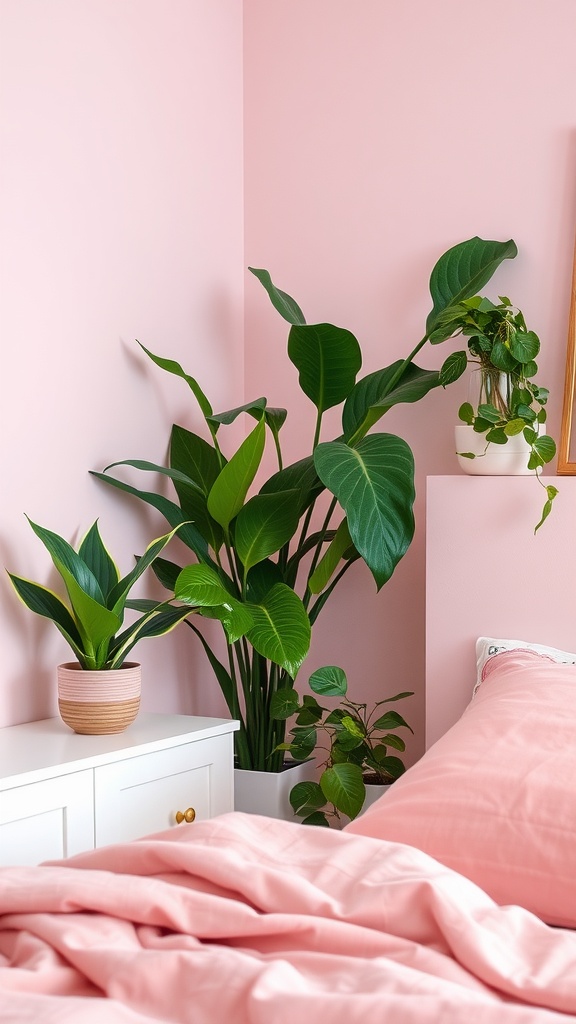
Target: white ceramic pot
510, 459
268, 793
373, 793
99, 703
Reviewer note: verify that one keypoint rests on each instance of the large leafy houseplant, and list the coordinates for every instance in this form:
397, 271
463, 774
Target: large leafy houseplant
265, 563
508, 401
352, 742
91, 618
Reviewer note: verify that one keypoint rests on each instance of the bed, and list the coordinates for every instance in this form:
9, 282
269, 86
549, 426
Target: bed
452, 899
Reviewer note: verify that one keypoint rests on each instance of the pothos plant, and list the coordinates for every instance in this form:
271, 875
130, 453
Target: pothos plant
352, 743
265, 562
509, 401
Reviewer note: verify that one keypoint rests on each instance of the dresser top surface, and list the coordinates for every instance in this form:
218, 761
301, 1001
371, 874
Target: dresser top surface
31, 751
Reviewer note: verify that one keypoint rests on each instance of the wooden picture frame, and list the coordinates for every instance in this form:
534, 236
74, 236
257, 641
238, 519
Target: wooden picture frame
567, 446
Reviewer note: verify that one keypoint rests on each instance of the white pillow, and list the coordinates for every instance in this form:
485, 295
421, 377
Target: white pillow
487, 647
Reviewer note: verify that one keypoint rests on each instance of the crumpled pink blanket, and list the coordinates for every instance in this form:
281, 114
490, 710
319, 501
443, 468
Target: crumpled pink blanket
249, 920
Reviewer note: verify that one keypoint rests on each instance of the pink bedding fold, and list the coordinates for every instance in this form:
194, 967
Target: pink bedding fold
248, 920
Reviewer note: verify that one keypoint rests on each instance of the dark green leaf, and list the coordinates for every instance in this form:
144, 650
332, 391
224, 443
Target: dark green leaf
545, 446
284, 703
329, 681
98, 559
375, 394
173, 367
327, 359
255, 408
44, 602
391, 720
462, 271
342, 786
306, 797
502, 358
489, 412
282, 302
302, 477
264, 525
453, 367
466, 413
525, 346
68, 561
374, 483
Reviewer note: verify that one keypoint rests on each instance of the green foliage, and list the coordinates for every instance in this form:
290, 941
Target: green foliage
271, 559
355, 743
97, 599
510, 402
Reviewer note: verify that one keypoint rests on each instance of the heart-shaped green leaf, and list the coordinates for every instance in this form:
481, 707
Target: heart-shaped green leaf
327, 359
374, 483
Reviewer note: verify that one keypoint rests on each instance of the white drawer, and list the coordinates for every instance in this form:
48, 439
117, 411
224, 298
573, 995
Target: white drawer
47, 820
141, 795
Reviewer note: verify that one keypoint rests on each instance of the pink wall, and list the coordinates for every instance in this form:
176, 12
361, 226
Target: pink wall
378, 134
508, 585
121, 218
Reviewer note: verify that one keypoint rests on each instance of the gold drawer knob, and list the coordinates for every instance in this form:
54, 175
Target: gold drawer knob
188, 815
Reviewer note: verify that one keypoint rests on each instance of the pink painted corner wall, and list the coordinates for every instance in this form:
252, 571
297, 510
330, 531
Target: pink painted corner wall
377, 135
121, 218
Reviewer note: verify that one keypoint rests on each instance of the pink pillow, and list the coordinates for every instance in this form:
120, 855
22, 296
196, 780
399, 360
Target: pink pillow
495, 798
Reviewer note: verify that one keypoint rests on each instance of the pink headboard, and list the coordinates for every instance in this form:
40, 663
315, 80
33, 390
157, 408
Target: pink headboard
488, 575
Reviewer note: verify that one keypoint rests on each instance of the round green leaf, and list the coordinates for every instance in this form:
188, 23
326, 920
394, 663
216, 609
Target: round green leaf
329, 681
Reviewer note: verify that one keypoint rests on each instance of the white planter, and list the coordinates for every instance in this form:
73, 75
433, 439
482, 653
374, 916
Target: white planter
510, 459
268, 793
373, 793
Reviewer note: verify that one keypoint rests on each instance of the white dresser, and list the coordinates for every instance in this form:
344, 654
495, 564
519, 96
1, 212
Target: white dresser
61, 793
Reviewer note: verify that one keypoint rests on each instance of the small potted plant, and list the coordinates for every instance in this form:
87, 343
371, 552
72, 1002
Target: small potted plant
502, 429
98, 693
353, 744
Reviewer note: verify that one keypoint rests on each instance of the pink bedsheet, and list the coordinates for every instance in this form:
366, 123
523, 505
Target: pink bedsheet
246, 919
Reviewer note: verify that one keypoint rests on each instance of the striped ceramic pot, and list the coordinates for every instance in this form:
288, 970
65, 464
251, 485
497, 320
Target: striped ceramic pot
98, 703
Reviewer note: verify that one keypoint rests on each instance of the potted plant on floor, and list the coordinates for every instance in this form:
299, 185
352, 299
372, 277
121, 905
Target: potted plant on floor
266, 563
98, 693
352, 742
502, 429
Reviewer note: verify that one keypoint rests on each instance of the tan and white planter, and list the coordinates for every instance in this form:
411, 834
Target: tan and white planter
99, 703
